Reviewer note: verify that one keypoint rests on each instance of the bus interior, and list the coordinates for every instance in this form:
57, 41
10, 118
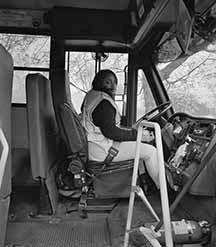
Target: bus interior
50, 193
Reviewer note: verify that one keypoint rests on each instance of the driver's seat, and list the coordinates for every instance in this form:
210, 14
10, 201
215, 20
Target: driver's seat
112, 180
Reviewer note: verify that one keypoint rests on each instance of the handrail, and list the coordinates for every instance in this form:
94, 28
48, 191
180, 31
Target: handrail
162, 181
4, 155
163, 184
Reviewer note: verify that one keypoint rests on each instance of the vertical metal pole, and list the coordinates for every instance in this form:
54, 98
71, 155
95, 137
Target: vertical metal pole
133, 187
131, 99
162, 180
68, 62
96, 63
99, 63
163, 187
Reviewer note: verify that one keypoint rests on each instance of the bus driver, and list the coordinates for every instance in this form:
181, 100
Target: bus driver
101, 119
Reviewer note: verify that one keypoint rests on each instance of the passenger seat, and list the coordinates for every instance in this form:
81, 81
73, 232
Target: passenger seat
43, 136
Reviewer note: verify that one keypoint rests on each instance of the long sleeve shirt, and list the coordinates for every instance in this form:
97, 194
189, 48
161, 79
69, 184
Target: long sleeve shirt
104, 118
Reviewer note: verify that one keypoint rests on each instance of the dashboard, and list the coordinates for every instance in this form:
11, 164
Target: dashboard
190, 140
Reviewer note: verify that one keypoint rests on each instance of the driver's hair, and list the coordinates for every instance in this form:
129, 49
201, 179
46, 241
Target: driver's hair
97, 83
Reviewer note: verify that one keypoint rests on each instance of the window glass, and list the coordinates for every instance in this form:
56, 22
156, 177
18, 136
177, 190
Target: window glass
120, 100
19, 89
145, 99
117, 62
27, 50
191, 82
81, 69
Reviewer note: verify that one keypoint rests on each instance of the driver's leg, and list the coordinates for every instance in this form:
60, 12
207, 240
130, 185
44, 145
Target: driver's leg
148, 153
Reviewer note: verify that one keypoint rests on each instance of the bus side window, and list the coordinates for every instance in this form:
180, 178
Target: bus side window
145, 99
31, 54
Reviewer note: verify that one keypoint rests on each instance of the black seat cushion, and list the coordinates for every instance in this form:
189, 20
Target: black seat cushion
96, 166
112, 180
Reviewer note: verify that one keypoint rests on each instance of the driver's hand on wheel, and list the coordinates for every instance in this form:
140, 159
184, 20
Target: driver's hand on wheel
147, 136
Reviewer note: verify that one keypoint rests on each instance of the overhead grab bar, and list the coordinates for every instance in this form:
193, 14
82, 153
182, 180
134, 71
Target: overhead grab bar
4, 155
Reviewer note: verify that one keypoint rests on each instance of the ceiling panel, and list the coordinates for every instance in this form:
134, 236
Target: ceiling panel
46, 4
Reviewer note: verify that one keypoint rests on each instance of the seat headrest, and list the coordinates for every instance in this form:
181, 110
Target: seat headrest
61, 88
39, 101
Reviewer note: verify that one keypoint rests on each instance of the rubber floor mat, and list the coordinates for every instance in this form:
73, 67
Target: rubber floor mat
63, 234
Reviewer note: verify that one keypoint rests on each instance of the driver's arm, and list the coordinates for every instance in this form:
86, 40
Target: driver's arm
104, 117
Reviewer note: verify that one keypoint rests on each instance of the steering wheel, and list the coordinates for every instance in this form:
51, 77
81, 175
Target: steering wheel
161, 108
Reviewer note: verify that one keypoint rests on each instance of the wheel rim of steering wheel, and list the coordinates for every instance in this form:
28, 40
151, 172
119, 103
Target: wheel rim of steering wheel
167, 105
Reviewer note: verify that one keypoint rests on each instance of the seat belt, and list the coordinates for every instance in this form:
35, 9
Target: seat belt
112, 152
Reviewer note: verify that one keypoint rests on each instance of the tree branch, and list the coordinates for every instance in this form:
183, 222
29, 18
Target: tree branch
186, 75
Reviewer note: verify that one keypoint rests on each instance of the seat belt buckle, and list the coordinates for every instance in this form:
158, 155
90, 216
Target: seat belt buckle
113, 151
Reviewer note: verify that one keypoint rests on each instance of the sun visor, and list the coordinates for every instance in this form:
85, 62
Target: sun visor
184, 25
159, 18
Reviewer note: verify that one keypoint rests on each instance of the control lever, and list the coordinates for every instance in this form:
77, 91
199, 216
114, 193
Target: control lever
141, 194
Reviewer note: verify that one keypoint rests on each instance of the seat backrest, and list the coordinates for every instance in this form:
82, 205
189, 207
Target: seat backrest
75, 135
42, 126
71, 129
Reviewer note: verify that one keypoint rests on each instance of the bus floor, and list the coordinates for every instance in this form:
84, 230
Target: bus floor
99, 229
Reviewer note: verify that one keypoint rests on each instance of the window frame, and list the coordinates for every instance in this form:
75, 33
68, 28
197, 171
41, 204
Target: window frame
29, 68
120, 98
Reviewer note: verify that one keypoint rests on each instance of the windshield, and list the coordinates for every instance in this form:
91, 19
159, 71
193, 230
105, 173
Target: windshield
190, 81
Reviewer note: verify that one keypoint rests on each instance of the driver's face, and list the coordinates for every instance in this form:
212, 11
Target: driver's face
110, 84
